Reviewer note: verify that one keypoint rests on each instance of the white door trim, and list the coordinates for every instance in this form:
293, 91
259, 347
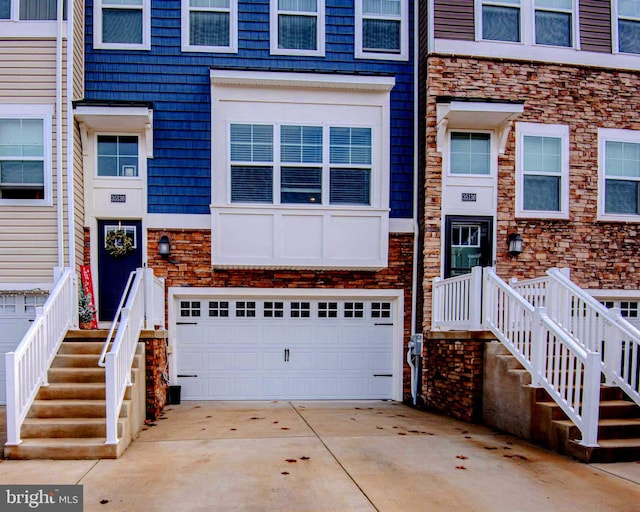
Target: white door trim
396, 297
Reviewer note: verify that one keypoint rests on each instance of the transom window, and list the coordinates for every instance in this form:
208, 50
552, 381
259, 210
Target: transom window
381, 29
297, 27
122, 24
542, 170
25, 147
31, 10
118, 155
309, 165
209, 25
628, 40
470, 153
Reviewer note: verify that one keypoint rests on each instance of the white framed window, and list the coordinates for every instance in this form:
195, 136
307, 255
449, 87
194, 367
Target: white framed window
122, 24
117, 156
25, 154
626, 26
30, 10
619, 174
470, 153
382, 29
532, 22
297, 27
300, 164
542, 170
210, 26
8, 305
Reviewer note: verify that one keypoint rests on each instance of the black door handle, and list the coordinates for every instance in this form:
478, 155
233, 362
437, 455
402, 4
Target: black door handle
286, 355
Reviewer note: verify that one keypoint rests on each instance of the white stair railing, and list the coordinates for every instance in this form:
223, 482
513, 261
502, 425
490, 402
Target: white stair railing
569, 372
28, 364
457, 302
142, 305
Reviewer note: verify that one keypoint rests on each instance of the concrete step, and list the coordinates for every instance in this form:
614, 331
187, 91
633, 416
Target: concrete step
81, 347
607, 451
75, 361
608, 409
76, 391
73, 409
64, 448
96, 374
66, 427
608, 429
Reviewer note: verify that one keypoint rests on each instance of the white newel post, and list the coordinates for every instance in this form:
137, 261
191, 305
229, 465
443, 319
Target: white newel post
148, 298
538, 347
612, 349
13, 399
475, 299
591, 400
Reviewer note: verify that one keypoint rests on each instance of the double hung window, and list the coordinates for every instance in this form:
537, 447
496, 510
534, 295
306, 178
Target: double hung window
122, 24
501, 20
628, 25
209, 25
297, 27
542, 170
25, 148
620, 175
31, 10
299, 164
382, 29
553, 22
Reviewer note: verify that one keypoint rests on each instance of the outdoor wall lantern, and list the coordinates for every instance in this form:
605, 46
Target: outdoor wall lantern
515, 244
164, 248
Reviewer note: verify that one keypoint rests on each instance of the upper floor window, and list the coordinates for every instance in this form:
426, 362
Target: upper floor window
122, 24
542, 22
382, 29
297, 170
619, 174
25, 149
210, 25
31, 10
117, 155
542, 170
628, 25
470, 153
297, 27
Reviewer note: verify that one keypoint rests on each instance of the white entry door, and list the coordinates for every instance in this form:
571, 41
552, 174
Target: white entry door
284, 348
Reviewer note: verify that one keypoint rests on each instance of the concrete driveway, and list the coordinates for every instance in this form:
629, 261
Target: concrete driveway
332, 456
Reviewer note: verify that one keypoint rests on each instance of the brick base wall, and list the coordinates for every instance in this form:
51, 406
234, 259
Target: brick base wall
452, 374
157, 372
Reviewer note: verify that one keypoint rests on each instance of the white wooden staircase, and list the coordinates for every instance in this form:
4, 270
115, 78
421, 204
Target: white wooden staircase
67, 418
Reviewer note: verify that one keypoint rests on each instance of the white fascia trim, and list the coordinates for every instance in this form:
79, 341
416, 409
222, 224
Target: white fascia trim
31, 29
401, 226
301, 80
542, 130
21, 287
178, 221
601, 294
547, 54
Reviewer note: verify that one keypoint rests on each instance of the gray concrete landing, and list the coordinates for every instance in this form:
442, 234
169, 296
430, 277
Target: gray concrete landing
332, 456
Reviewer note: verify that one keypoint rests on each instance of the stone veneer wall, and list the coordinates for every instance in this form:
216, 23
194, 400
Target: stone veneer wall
157, 372
599, 254
452, 373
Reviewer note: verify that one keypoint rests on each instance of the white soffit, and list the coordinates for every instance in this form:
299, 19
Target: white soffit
114, 118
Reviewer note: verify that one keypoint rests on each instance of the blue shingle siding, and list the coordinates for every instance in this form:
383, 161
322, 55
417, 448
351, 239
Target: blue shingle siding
177, 83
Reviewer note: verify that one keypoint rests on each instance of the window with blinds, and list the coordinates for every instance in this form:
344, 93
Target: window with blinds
312, 165
298, 23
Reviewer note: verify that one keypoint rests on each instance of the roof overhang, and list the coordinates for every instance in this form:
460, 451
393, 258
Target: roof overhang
115, 118
474, 114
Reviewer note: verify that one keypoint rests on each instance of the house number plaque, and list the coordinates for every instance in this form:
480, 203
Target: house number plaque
118, 198
469, 197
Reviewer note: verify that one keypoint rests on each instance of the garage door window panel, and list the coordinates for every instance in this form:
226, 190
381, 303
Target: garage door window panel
218, 309
273, 309
327, 310
245, 309
7, 305
354, 310
189, 309
300, 310
380, 310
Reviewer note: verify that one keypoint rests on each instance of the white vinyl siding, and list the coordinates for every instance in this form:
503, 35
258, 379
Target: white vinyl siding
210, 26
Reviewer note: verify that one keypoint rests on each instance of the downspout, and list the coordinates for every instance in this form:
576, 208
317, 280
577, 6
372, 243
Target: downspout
59, 181
70, 138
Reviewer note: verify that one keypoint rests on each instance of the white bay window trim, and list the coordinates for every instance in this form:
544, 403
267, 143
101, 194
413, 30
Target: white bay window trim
527, 10
186, 28
319, 14
43, 113
403, 18
558, 131
144, 6
614, 135
300, 235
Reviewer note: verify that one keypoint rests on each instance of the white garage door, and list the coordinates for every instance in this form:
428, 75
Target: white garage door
269, 348
16, 315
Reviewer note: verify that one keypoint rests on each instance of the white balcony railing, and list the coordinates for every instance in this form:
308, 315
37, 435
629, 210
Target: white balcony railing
457, 302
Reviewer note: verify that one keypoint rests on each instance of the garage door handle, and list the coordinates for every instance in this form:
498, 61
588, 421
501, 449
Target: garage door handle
186, 323
381, 323
185, 376
286, 355
383, 374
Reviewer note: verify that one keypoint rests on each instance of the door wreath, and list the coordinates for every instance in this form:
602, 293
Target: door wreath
118, 244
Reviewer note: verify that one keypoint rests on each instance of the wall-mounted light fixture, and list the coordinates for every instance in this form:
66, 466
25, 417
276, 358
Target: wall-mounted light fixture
515, 244
164, 248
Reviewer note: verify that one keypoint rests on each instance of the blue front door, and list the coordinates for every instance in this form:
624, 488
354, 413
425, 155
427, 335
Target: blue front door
115, 262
